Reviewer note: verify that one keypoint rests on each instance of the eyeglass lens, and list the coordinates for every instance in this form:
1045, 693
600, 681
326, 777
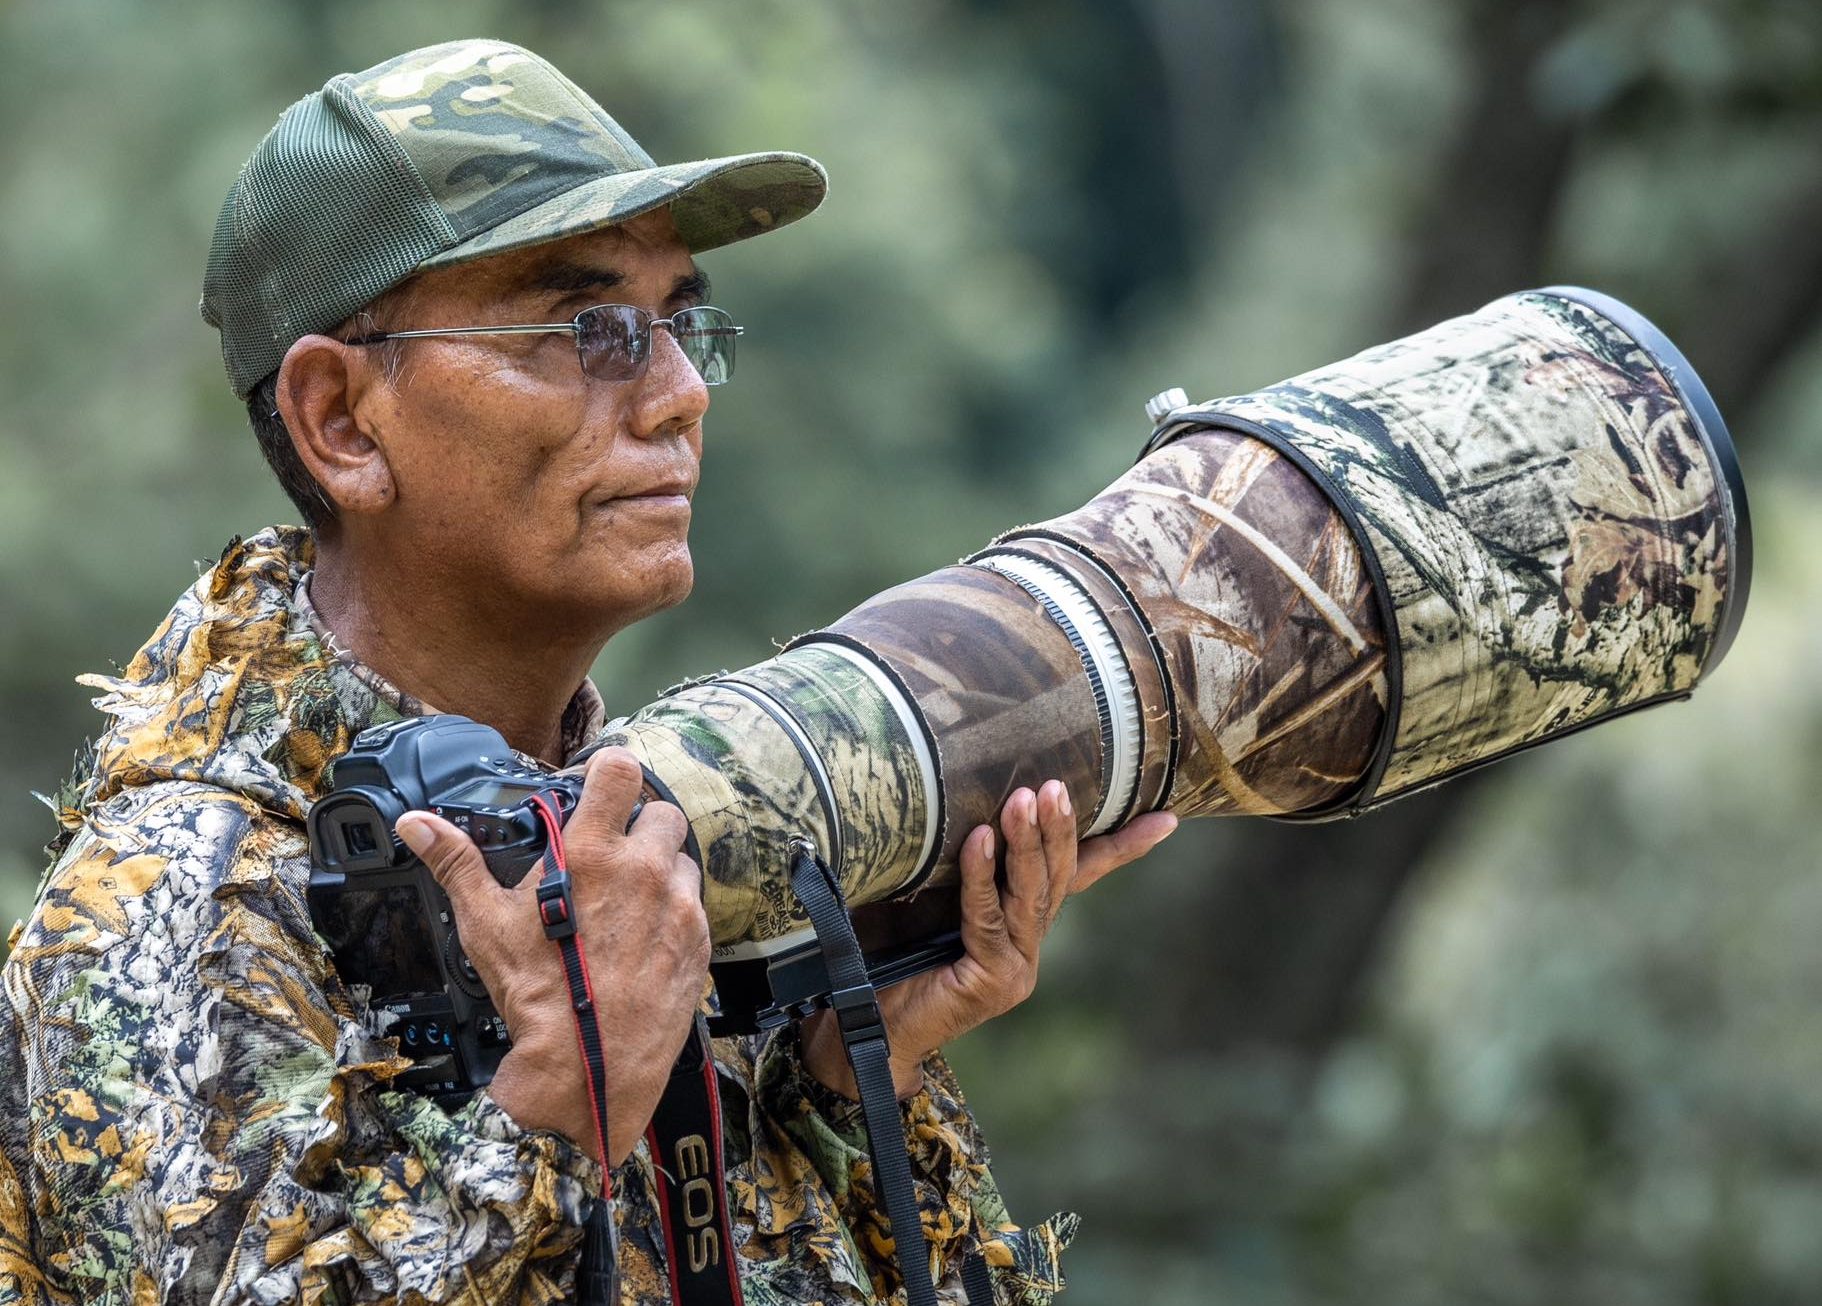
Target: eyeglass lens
615, 341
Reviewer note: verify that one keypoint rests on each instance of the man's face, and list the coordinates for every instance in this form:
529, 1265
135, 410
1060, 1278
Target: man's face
552, 495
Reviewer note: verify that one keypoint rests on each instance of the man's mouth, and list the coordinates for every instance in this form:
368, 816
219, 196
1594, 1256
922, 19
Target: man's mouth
662, 496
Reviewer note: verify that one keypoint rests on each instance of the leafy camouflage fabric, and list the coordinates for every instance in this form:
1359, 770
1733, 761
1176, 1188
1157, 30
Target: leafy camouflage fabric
194, 1107
1549, 511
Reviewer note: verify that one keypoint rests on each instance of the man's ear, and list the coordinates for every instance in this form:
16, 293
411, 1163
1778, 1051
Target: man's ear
319, 387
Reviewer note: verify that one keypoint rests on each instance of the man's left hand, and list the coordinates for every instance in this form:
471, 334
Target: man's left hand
1003, 929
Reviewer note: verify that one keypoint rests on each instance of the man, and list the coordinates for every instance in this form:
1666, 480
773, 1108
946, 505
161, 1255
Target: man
193, 1104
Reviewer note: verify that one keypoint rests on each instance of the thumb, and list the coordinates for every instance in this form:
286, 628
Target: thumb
1109, 852
451, 856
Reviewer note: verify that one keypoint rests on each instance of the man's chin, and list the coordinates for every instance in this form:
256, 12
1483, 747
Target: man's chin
641, 587
603, 589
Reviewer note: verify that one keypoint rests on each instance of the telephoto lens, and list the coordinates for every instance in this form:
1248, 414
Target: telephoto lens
1300, 603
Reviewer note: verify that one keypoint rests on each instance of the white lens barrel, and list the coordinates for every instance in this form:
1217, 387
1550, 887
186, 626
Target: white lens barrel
1104, 662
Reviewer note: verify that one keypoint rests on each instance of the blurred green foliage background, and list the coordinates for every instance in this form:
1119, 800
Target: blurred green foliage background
1548, 1035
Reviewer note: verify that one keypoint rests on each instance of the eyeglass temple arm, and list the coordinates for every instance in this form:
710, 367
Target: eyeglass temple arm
539, 328
530, 329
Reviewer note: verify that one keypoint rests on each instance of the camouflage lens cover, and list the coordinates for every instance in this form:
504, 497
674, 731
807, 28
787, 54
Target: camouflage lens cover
1554, 509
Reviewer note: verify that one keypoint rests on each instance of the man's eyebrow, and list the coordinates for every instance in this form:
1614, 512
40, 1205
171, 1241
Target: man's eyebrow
691, 289
570, 278
574, 278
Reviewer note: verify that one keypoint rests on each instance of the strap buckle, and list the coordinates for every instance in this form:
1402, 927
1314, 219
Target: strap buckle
556, 909
857, 1012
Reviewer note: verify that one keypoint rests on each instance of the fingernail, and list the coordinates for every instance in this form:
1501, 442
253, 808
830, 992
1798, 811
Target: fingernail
987, 843
1063, 803
416, 833
1031, 809
1173, 822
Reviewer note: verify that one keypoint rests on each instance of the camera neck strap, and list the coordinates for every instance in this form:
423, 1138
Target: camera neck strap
685, 1138
598, 1278
855, 1002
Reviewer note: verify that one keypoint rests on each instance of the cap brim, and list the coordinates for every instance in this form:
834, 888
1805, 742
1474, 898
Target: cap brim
713, 201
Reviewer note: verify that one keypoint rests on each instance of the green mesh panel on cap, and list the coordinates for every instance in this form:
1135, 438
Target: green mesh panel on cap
326, 215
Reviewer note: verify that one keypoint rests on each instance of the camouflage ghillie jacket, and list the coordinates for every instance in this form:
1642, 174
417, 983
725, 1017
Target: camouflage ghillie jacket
193, 1107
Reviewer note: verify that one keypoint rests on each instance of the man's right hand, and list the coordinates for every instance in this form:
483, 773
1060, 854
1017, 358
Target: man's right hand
638, 901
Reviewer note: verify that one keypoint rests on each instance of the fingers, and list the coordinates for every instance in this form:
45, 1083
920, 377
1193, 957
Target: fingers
1127, 844
454, 861
685, 904
661, 826
1056, 825
1002, 927
983, 918
610, 791
610, 788
1027, 898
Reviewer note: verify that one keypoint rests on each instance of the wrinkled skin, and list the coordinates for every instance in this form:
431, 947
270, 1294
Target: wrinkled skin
499, 517
647, 910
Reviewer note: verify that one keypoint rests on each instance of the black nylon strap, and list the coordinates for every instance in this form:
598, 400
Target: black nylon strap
863, 1035
598, 1277
977, 1281
685, 1138
598, 1274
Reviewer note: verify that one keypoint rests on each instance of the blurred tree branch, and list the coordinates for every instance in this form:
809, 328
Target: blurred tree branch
1761, 310
1485, 228
1277, 948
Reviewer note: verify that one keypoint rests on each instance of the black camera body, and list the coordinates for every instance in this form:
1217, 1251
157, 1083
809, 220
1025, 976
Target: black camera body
391, 928
387, 922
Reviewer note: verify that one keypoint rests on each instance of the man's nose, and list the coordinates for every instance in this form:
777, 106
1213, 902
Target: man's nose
672, 395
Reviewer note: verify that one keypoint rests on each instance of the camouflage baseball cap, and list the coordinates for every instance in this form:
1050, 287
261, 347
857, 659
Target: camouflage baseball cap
445, 154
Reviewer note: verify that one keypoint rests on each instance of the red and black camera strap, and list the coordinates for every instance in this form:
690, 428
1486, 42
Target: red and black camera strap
598, 1278
685, 1138
685, 1135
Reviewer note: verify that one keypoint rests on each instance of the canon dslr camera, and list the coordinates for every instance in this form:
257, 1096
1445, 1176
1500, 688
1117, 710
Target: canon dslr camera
387, 921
